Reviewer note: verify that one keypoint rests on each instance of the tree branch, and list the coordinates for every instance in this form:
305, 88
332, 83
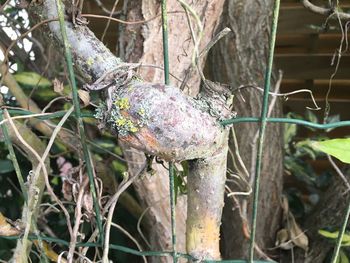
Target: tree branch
325, 11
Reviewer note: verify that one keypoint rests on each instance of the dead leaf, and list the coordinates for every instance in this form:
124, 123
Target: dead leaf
6, 229
49, 252
88, 204
297, 236
58, 86
283, 240
291, 234
84, 97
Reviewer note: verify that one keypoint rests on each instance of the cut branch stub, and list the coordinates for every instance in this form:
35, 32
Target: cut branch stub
161, 121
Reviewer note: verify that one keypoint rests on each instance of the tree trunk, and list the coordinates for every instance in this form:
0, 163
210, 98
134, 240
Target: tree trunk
143, 43
240, 59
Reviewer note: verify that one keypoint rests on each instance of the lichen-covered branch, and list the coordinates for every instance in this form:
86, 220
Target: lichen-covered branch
159, 120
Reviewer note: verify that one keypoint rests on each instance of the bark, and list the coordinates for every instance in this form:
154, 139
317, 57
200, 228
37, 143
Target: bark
240, 59
143, 43
207, 178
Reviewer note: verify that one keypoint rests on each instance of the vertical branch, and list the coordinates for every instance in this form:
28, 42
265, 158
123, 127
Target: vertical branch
36, 185
206, 187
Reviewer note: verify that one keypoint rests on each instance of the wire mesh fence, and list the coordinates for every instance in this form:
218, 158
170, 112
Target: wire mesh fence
263, 121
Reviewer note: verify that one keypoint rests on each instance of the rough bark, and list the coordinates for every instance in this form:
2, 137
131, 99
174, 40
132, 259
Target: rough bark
241, 60
143, 43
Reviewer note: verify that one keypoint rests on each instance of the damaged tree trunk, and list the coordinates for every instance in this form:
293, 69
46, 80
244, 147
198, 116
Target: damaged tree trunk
159, 120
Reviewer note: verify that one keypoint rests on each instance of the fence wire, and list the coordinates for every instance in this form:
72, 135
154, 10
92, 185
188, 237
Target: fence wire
263, 120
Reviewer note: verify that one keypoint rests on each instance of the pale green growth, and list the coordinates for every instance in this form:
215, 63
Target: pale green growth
122, 104
117, 121
141, 112
90, 61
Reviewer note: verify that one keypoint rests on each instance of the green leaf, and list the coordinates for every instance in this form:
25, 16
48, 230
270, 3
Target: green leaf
32, 79
310, 116
6, 166
343, 258
334, 235
339, 148
290, 130
332, 119
105, 143
118, 166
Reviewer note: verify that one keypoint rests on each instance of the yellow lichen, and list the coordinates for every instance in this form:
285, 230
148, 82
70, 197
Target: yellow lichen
122, 103
121, 121
141, 112
133, 129
90, 61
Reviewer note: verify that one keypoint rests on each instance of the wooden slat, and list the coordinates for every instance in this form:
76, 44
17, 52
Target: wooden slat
285, 4
301, 66
321, 85
307, 43
300, 20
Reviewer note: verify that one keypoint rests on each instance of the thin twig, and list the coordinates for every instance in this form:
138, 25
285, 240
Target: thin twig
325, 11
77, 222
277, 94
109, 20
104, 9
112, 203
138, 226
41, 159
125, 232
337, 56
128, 22
26, 116
339, 172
